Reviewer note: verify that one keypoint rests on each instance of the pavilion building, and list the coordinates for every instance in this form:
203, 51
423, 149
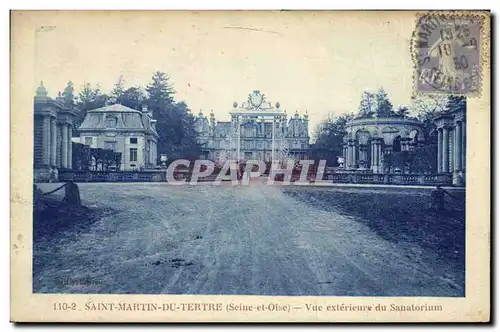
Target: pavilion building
125, 130
368, 139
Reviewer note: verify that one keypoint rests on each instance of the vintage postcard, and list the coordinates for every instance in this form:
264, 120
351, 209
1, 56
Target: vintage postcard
250, 166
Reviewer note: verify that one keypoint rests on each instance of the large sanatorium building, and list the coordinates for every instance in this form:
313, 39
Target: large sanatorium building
258, 130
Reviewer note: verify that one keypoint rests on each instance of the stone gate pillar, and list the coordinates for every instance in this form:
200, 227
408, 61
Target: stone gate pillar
463, 128
440, 151
446, 151
46, 149
376, 146
70, 146
53, 141
457, 147
352, 153
64, 154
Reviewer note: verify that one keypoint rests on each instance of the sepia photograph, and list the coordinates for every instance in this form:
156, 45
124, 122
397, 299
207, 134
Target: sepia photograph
271, 164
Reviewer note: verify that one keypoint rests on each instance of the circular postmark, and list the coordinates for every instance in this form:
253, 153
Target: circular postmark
445, 50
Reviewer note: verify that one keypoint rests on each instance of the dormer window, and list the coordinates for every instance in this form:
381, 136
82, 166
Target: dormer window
111, 122
133, 140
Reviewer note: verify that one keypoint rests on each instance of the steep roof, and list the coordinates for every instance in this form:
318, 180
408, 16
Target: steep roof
115, 108
118, 117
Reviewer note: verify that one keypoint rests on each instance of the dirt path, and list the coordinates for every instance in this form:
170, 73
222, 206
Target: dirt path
233, 240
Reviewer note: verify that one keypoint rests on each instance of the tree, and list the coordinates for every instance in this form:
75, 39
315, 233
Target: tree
367, 105
422, 105
456, 102
401, 160
426, 108
329, 138
133, 97
185, 143
91, 98
160, 102
402, 111
384, 105
88, 99
376, 104
160, 91
175, 123
68, 96
424, 159
117, 91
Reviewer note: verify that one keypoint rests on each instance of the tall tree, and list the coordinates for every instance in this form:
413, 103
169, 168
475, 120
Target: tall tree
160, 91
118, 90
186, 134
175, 123
428, 104
132, 97
91, 98
88, 99
99, 98
160, 101
456, 102
384, 105
68, 96
329, 138
426, 108
367, 105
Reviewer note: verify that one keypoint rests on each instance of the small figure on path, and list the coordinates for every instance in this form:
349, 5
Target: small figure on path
240, 170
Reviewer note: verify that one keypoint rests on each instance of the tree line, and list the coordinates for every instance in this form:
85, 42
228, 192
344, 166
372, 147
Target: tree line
175, 122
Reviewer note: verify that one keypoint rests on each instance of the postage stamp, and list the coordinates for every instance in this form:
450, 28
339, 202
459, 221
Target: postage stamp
446, 47
260, 166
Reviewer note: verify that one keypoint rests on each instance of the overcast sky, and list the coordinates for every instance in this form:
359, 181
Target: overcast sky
315, 61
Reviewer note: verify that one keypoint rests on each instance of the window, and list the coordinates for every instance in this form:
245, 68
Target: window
88, 140
133, 154
133, 140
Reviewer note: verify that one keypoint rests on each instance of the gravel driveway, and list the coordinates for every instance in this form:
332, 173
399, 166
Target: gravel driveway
228, 240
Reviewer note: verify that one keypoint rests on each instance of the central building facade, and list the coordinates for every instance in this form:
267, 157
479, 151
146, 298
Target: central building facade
258, 130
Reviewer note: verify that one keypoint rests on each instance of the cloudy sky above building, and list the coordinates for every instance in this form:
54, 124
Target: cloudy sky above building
315, 61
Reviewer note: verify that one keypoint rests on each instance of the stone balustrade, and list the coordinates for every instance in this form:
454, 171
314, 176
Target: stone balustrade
333, 177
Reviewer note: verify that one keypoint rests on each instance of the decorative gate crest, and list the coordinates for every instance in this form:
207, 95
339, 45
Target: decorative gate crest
256, 99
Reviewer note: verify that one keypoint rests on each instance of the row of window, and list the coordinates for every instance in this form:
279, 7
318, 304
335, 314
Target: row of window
90, 141
112, 146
